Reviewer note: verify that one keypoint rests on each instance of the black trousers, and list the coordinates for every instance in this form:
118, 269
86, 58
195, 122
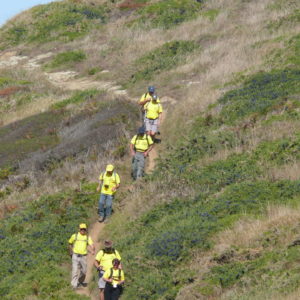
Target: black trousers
111, 293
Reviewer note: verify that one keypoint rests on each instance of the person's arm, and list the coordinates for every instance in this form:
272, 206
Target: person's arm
70, 249
100, 182
97, 265
122, 278
70, 245
132, 151
117, 183
106, 276
148, 150
92, 249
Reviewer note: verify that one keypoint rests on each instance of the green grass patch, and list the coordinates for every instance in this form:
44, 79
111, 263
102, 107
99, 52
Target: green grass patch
66, 59
63, 21
168, 13
163, 58
77, 98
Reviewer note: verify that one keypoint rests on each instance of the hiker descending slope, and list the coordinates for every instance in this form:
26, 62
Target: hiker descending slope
115, 279
109, 182
153, 116
103, 263
146, 98
140, 146
79, 246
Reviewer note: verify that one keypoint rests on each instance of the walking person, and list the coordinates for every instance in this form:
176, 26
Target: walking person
115, 279
103, 262
79, 246
146, 98
140, 146
109, 182
153, 117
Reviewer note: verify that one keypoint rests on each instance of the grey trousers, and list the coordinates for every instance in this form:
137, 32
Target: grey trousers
138, 165
79, 268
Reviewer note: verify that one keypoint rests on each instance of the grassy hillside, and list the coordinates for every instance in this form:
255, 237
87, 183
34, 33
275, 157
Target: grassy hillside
218, 217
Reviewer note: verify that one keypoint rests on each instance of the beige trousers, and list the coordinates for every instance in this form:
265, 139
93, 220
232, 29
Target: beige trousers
79, 267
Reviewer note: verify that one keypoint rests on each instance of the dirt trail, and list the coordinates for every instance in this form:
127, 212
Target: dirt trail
65, 80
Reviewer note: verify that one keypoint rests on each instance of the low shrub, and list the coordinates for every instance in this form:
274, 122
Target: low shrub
67, 58
162, 58
259, 94
168, 13
77, 98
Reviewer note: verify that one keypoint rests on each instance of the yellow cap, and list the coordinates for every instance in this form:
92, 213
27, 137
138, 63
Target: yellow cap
82, 226
109, 168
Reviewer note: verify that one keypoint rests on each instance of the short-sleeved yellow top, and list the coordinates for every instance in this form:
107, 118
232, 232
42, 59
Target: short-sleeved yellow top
80, 243
105, 259
142, 143
109, 182
153, 109
115, 275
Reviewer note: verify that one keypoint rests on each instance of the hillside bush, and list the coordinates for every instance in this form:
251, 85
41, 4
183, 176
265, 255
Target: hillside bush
66, 59
168, 13
77, 98
162, 58
259, 94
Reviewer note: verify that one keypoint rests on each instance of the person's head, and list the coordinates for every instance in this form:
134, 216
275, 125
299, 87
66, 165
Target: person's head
151, 89
141, 131
154, 98
108, 244
116, 262
82, 228
109, 169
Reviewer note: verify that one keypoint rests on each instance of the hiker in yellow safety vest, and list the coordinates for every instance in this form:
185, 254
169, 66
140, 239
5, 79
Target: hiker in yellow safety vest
80, 244
103, 262
140, 146
146, 98
109, 182
153, 116
115, 279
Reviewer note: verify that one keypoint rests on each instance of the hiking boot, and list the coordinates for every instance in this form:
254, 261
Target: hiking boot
106, 220
84, 284
158, 132
101, 219
157, 141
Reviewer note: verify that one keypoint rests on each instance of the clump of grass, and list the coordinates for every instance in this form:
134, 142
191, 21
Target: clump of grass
162, 58
66, 59
77, 98
94, 71
168, 13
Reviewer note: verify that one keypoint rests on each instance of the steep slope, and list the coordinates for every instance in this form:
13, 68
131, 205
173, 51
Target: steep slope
219, 215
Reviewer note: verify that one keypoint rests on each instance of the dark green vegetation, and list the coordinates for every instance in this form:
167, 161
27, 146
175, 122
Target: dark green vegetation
168, 13
77, 98
66, 59
60, 21
163, 58
34, 245
260, 94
